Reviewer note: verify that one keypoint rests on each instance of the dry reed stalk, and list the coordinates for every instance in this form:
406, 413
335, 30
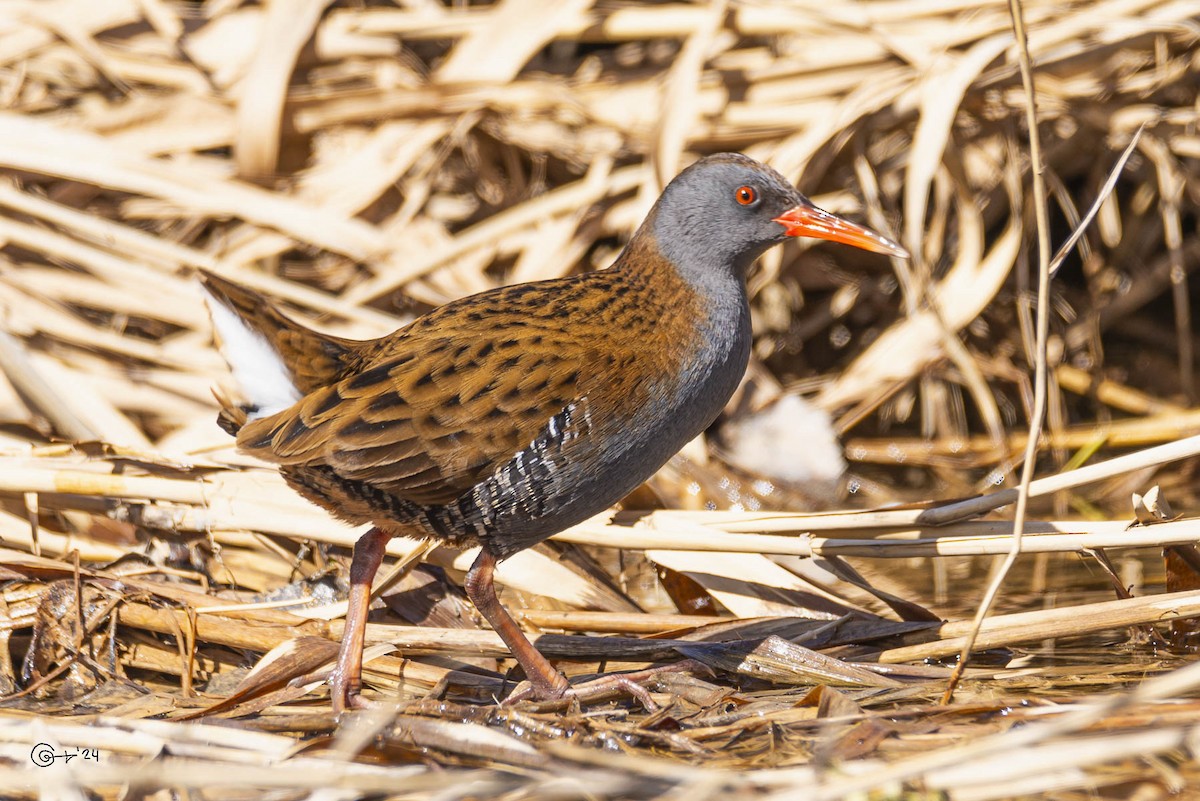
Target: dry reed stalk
1033, 626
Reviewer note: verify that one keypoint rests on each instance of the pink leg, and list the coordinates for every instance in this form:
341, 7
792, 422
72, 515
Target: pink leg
547, 682
346, 680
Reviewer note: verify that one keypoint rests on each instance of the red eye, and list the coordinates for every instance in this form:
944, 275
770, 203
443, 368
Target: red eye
745, 195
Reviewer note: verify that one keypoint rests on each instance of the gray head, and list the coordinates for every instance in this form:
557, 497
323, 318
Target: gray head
724, 211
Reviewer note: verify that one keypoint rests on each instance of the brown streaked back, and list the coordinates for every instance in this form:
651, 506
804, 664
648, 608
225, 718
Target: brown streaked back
438, 406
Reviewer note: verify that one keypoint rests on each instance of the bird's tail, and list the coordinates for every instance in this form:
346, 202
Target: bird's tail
275, 360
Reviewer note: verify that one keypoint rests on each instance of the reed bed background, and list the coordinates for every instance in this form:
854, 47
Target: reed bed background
362, 162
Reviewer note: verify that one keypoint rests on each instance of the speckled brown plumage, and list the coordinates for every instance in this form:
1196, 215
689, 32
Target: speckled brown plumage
504, 417
418, 418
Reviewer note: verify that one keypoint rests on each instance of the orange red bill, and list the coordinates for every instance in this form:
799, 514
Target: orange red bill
810, 221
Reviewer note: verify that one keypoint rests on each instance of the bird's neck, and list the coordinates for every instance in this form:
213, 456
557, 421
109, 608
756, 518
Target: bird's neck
693, 336
671, 269
706, 306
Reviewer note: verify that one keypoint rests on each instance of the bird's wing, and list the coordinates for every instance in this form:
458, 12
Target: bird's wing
437, 406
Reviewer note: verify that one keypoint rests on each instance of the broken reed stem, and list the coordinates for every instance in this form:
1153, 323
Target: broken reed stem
1038, 413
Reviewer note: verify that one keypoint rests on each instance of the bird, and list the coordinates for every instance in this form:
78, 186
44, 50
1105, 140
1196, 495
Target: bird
502, 418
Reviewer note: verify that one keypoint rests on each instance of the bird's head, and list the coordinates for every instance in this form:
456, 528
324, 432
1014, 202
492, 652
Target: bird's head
726, 210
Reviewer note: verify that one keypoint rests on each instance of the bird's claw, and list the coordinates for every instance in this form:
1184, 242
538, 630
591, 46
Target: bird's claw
344, 692
605, 687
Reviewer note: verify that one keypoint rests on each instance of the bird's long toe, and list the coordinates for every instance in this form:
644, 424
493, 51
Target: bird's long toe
605, 688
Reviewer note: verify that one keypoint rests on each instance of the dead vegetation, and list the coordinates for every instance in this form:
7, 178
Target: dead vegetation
363, 162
